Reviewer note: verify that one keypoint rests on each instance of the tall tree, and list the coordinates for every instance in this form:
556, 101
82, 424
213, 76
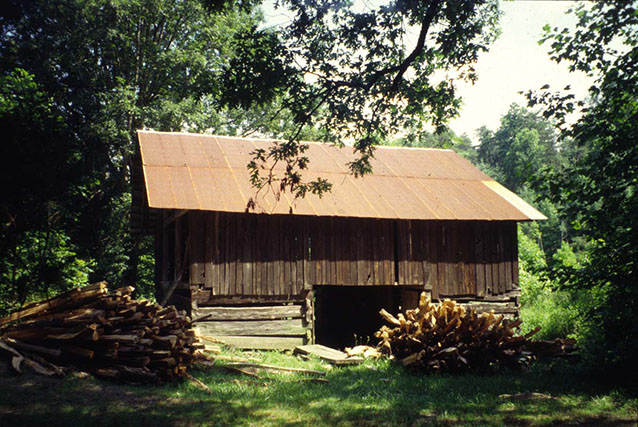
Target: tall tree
599, 191
523, 142
108, 69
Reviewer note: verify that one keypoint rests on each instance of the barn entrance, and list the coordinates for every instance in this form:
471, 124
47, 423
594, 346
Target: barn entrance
349, 315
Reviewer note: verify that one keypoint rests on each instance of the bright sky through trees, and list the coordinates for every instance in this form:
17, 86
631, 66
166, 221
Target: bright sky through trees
515, 62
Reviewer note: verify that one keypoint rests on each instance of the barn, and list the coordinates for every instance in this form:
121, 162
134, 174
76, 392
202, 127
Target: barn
316, 269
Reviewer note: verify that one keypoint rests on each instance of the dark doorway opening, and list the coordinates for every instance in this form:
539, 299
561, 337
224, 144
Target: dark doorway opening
349, 315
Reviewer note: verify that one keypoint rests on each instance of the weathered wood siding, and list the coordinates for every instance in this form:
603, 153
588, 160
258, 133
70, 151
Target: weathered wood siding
272, 256
454, 258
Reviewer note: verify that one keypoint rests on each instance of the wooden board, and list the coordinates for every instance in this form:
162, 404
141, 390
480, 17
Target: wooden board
262, 342
328, 354
250, 313
290, 327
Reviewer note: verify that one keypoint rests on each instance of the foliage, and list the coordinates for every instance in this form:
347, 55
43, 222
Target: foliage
597, 191
445, 139
348, 71
78, 79
541, 304
523, 142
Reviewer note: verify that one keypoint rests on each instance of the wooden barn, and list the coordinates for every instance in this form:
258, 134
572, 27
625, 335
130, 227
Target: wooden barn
319, 269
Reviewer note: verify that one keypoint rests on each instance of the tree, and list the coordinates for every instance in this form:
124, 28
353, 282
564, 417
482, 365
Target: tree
598, 191
105, 69
37, 255
358, 74
523, 142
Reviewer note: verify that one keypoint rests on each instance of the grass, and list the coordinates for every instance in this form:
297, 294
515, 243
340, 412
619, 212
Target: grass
374, 393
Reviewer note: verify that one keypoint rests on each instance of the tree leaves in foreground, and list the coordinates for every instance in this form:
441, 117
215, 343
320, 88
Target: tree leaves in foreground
360, 73
599, 191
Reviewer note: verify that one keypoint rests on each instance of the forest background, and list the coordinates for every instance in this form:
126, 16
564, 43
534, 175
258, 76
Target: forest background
78, 78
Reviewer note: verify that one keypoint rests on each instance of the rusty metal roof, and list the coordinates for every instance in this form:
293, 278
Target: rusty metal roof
205, 172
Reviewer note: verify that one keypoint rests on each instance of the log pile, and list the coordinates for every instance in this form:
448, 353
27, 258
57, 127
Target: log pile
106, 333
448, 337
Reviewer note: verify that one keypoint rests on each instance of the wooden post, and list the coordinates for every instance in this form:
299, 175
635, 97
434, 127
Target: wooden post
310, 315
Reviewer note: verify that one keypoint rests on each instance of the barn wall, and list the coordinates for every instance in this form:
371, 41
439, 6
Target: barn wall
458, 258
279, 257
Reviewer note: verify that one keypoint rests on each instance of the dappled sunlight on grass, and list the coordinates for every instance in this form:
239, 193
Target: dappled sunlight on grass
373, 393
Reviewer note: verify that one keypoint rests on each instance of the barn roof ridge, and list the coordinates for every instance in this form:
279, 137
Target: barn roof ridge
212, 135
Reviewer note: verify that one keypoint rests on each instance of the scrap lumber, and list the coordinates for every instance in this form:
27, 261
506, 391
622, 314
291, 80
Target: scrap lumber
106, 333
328, 354
452, 338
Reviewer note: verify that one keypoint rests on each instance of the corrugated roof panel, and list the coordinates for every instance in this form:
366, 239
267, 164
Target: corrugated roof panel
183, 189
396, 193
158, 187
192, 151
515, 201
460, 163
207, 187
187, 171
372, 187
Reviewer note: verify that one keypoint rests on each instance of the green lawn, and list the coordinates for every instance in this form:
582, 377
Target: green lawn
374, 393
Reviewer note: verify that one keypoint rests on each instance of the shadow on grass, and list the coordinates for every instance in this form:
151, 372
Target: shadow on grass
371, 394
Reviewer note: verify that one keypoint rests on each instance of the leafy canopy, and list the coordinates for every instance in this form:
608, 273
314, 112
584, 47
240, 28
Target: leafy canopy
360, 74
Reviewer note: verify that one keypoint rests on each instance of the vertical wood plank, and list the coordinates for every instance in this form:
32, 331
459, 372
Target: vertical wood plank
447, 282
312, 254
336, 270
493, 239
231, 255
239, 221
426, 256
390, 259
165, 249
177, 232
400, 243
376, 247
479, 244
515, 277
300, 254
276, 237
502, 264
157, 250
209, 250
308, 254
435, 242
258, 251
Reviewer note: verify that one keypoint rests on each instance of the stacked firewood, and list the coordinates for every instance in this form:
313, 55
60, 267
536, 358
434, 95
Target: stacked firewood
106, 333
448, 337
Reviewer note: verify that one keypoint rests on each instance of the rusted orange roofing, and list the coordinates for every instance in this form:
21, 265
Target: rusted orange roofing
204, 172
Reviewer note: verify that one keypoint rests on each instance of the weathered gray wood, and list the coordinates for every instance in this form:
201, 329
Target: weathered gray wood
328, 354
506, 308
250, 313
262, 342
292, 327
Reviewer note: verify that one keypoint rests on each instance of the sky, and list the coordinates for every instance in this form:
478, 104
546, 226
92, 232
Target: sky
514, 63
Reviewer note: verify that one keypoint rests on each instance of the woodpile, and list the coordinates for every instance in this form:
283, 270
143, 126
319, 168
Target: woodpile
449, 337
106, 333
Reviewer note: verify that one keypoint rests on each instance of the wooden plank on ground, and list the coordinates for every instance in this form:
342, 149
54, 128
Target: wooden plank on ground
250, 313
328, 354
289, 327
